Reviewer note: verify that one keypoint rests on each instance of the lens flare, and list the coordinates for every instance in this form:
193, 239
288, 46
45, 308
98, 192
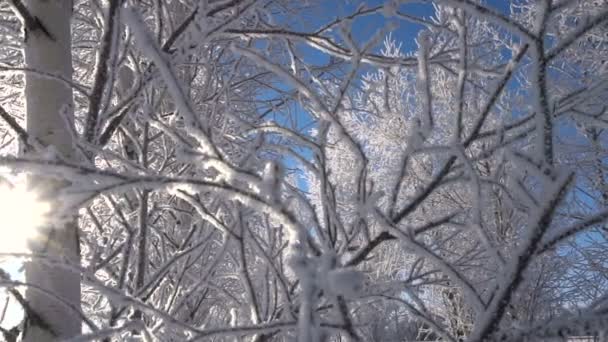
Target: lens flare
22, 213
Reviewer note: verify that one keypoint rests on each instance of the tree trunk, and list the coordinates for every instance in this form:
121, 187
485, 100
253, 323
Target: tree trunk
48, 104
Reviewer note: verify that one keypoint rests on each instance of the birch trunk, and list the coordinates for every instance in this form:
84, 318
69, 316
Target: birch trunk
48, 103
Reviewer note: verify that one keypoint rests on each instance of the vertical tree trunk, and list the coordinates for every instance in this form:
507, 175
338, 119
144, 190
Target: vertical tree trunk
49, 102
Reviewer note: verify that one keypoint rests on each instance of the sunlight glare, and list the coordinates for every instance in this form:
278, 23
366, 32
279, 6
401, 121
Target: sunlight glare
21, 214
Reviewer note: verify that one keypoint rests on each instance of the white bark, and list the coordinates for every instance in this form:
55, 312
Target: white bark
49, 102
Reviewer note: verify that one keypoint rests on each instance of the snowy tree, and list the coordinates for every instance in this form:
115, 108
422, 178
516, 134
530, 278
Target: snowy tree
262, 171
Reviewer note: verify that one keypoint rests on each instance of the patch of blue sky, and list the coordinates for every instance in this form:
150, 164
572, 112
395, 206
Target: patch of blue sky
404, 33
292, 115
363, 28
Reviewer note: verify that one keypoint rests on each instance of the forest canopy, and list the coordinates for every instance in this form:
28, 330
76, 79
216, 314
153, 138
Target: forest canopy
276, 170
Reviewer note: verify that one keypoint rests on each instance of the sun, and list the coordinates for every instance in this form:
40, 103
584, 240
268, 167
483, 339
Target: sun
22, 213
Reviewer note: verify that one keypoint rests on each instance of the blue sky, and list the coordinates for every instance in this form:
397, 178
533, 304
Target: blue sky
366, 26
363, 28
